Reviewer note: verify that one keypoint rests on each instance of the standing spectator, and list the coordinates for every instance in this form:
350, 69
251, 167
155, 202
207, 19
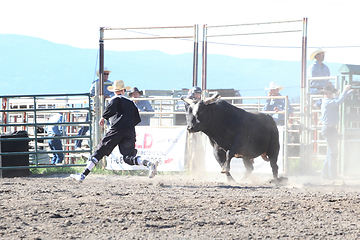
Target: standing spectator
143, 106
194, 94
330, 120
107, 94
123, 116
276, 104
55, 143
318, 69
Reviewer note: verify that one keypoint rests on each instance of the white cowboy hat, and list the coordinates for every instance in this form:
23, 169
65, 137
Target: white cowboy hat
117, 86
105, 70
313, 54
274, 85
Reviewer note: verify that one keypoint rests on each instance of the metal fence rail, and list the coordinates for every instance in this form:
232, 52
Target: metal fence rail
24, 112
30, 113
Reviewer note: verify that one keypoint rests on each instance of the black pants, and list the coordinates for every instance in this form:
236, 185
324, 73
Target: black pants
124, 138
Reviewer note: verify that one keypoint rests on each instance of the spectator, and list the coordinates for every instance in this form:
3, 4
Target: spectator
107, 94
55, 143
107, 82
194, 94
276, 104
318, 69
330, 120
143, 106
124, 116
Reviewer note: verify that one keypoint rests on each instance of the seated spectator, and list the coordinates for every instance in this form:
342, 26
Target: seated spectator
143, 106
276, 104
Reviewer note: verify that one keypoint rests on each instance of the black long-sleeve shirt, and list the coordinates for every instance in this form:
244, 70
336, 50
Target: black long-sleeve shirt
122, 113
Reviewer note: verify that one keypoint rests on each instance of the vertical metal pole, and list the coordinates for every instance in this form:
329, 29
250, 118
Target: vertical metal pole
73, 131
92, 139
4, 115
286, 132
196, 54
15, 120
35, 133
303, 156
204, 58
342, 126
25, 128
98, 132
66, 155
101, 62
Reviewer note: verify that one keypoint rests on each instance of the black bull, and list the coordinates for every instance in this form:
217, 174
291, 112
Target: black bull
233, 132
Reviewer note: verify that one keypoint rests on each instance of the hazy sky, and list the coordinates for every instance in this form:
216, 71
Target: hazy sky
332, 25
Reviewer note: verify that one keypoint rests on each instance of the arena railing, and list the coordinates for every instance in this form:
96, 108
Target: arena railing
18, 112
30, 113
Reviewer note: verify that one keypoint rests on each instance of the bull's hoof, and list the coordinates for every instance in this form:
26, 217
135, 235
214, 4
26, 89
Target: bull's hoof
225, 170
280, 180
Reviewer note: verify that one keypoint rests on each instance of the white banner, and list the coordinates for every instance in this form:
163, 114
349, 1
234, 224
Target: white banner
166, 145
237, 165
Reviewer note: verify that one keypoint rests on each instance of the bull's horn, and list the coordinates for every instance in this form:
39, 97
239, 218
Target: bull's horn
186, 100
212, 99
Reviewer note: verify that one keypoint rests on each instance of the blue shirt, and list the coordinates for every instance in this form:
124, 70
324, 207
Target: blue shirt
106, 91
318, 70
144, 106
330, 109
280, 104
56, 130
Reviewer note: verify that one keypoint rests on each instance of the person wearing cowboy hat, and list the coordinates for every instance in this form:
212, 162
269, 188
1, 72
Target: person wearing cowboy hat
330, 120
143, 106
276, 104
318, 69
107, 94
123, 116
107, 82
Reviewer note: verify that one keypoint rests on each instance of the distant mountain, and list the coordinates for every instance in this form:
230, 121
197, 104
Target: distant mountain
31, 65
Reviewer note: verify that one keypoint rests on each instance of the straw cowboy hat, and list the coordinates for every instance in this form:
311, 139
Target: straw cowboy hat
135, 89
274, 85
105, 70
118, 85
319, 50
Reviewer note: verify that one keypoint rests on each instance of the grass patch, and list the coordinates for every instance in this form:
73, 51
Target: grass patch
97, 170
56, 170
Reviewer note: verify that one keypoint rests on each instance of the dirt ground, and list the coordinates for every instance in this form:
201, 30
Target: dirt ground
178, 207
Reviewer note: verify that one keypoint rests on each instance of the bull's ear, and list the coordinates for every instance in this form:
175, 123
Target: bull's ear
214, 98
186, 100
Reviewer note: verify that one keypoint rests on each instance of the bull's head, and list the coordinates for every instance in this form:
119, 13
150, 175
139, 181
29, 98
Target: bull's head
197, 114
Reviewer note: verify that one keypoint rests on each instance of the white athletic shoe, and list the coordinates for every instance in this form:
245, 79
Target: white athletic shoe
78, 177
152, 169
